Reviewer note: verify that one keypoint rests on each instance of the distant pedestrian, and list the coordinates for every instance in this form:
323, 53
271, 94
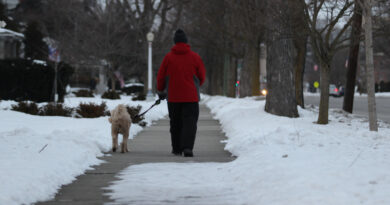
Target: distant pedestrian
92, 84
180, 75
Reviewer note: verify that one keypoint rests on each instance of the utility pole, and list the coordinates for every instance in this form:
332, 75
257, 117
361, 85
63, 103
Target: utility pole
55, 82
54, 55
367, 14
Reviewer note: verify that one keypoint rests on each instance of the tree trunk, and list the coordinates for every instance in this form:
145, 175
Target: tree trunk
226, 72
300, 44
353, 59
255, 68
218, 77
112, 81
247, 72
370, 66
280, 99
280, 79
299, 68
324, 100
214, 69
232, 77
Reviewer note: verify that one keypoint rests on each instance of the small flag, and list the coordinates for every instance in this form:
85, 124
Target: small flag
120, 78
54, 54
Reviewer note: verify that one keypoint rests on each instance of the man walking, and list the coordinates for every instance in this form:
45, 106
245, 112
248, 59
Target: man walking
180, 75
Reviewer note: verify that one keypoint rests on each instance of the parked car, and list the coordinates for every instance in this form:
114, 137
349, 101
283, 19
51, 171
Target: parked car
133, 88
335, 91
341, 91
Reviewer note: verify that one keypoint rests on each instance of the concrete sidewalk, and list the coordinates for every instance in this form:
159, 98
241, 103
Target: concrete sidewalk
151, 145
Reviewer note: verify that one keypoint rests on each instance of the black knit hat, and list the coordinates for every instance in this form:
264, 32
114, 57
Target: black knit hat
180, 36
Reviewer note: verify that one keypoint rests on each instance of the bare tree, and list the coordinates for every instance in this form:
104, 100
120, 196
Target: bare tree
339, 67
249, 21
226, 32
353, 59
300, 37
325, 40
381, 26
114, 32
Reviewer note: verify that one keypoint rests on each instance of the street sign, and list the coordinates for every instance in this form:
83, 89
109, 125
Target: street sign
316, 84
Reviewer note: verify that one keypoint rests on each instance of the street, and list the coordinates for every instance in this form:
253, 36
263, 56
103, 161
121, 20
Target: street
360, 106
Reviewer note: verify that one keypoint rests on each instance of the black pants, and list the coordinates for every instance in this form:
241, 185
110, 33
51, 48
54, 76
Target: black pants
183, 120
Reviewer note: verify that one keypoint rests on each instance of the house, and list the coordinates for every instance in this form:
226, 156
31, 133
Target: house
382, 67
11, 4
11, 44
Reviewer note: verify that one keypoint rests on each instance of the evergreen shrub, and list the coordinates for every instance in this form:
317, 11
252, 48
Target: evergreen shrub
111, 95
91, 110
26, 107
52, 109
139, 97
84, 93
22, 79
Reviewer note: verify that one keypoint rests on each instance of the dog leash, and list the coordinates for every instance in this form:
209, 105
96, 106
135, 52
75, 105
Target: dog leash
155, 103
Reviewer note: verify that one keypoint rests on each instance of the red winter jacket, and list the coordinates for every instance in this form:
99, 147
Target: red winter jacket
182, 73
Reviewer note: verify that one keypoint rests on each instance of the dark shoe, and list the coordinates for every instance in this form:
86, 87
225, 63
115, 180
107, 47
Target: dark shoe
177, 153
188, 153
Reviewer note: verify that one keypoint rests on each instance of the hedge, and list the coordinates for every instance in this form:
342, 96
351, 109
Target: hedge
22, 79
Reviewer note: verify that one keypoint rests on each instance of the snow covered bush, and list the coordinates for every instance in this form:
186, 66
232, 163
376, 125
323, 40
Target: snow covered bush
26, 107
111, 95
92, 110
58, 109
139, 97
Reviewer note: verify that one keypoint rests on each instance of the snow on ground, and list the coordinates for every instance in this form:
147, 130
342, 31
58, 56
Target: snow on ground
280, 161
39, 154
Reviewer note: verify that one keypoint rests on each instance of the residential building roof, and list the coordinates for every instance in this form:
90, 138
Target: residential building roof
10, 33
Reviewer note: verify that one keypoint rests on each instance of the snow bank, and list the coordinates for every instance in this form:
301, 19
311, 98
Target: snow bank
280, 161
39, 154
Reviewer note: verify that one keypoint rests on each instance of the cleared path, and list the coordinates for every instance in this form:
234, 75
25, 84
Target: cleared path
151, 145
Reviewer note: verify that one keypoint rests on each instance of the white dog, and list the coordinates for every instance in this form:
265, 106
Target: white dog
120, 124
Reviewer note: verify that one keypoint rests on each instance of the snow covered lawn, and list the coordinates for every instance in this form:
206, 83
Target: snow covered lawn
281, 161
39, 154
